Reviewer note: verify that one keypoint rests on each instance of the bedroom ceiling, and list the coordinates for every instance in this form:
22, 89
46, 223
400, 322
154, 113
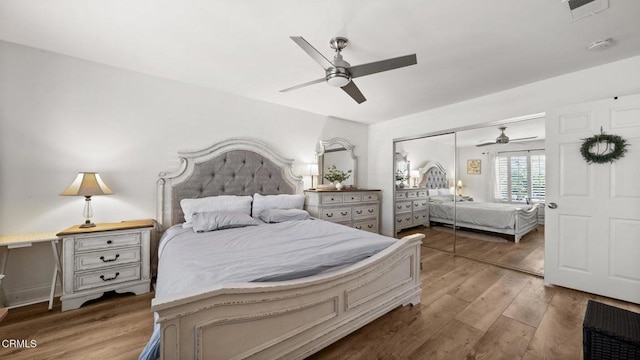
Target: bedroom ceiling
465, 48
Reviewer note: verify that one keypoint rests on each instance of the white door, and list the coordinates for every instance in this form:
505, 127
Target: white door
592, 237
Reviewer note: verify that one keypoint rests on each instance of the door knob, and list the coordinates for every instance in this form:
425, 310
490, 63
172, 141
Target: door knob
552, 205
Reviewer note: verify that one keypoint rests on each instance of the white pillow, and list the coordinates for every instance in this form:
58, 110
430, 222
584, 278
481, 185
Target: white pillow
433, 192
282, 215
282, 201
220, 220
444, 192
214, 203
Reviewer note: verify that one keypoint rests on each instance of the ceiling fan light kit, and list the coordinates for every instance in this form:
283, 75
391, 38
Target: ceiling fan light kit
339, 73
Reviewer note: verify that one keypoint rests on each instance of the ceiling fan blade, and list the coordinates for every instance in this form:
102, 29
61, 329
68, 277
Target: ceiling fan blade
524, 138
303, 85
354, 92
383, 65
487, 143
315, 54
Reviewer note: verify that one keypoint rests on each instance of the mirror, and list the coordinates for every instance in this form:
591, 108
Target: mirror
401, 170
337, 152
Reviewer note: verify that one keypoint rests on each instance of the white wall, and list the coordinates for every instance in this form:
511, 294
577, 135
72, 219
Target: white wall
613, 79
437, 148
60, 115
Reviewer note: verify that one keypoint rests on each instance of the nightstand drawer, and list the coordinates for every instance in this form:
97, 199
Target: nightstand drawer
107, 242
365, 211
337, 214
350, 198
331, 199
106, 277
95, 260
371, 225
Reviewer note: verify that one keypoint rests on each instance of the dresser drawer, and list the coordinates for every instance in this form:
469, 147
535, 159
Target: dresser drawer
420, 217
371, 225
107, 242
403, 207
403, 220
365, 211
422, 193
412, 194
106, 277
420, 205
331, 199
401, 194
99, 259
350, 198
370, 197
337, 214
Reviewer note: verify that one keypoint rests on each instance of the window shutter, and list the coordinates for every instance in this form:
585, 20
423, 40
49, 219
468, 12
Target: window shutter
501, 191
538, 184
519, 182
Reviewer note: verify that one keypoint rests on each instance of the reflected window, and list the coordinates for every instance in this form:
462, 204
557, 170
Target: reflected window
519, 177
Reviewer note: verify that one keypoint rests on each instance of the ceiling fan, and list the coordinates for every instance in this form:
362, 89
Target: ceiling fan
340, 73
504, 139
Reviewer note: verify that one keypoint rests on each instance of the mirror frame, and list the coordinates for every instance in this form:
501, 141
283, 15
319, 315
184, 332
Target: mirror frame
324, 147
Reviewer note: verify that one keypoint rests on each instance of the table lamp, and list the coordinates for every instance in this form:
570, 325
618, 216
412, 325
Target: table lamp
312, 170
415, 174
87, 184
459, 187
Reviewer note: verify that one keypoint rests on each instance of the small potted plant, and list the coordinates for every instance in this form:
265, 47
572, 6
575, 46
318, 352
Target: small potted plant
336, 176
400, 178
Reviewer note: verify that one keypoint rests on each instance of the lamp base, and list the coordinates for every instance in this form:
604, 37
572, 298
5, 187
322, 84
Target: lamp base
87, 224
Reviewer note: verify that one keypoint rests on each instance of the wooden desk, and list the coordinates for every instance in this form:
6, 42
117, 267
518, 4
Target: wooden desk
26, 240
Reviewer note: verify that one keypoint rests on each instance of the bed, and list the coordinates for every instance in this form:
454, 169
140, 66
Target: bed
265, 315
447, 208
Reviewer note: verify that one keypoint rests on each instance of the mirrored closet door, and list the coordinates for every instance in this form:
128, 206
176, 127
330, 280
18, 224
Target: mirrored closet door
483, 189
424, 173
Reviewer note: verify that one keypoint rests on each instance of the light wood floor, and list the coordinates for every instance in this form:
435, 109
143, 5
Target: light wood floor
527, 255
469, 310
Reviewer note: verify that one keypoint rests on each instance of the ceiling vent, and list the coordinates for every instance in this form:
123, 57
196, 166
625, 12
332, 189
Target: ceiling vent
580, 9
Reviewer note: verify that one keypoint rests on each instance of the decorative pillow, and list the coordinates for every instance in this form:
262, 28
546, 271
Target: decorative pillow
433, 192
214, 203
282, 201
220, 220
282, 215
444, 192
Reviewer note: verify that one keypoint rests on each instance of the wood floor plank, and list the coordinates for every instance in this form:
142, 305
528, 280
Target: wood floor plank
453, 341
559, 335
486, 309
477, 284
505, 339
531, 303
432, 289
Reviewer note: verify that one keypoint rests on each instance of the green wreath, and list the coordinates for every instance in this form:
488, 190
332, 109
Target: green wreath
609, 153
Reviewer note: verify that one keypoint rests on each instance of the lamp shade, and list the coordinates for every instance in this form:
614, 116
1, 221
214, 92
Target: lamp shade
87, 184
459, 184
414, 173
312, 169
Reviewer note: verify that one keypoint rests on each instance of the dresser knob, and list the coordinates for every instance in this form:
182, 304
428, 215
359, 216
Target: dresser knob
109, 242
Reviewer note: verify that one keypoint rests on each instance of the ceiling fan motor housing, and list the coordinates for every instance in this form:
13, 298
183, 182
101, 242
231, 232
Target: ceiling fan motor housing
338, 75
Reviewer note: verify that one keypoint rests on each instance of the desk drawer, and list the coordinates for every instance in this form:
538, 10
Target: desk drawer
337, 214
107, 242
106, 277
100, 259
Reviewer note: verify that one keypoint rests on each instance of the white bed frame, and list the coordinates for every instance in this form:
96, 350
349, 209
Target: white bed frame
280, 320
526, 220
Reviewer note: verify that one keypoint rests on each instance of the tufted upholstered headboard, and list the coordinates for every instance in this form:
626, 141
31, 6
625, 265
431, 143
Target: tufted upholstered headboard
235, 166
434, 176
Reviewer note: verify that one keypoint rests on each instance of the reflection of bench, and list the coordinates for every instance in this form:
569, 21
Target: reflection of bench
610, 332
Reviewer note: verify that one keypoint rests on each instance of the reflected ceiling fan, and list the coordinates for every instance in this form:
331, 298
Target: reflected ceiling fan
504, 139
340, 73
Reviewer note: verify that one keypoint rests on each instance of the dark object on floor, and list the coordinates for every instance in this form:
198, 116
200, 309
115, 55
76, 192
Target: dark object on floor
610, 333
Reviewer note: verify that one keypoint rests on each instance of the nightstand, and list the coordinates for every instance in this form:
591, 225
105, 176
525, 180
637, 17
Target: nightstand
107, 257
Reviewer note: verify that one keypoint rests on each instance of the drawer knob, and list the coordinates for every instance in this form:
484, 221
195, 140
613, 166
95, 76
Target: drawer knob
370, 226
370, 210
109, 279
330, 215
399, 207
109, 260
352, 198
359, 227
358, 212
343, 213
332, 199
109, 242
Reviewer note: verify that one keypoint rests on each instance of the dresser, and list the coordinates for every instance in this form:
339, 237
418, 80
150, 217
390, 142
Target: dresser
356, 208
411, 208
107, 257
